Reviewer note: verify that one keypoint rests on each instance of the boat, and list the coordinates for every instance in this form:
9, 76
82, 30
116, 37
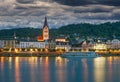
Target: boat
80, 54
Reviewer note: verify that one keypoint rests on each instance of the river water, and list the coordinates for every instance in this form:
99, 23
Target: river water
57, 69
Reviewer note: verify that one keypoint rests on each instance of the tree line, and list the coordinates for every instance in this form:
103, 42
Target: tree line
87, 30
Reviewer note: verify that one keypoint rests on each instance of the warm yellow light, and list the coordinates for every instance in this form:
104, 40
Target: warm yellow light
41, 50
100, 46
58, 61
25, 49
20, 49
10, 49
16, 50
31, 50
36, 50
58, 58
61, 40
46, 49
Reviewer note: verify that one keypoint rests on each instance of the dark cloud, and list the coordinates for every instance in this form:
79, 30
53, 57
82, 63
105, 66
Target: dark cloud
87, 2
24, 1
74, 2
59, 12
93, 10
77, 2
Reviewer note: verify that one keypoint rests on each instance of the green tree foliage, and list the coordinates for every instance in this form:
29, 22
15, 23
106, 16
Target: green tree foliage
99, 30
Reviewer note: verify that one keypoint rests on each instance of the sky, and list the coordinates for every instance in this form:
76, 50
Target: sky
31, 13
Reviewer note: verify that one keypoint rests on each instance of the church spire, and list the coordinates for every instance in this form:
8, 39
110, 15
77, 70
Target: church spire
45, 30
45, 22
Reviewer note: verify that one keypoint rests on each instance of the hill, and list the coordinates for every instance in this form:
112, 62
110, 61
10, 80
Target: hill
101, 30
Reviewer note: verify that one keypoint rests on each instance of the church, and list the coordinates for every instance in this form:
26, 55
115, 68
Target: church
45, 32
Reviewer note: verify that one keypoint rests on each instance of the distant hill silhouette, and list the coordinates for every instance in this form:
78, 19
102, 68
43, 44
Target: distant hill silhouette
101, 30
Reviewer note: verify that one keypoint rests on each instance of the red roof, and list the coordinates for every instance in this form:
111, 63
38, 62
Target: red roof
40, 38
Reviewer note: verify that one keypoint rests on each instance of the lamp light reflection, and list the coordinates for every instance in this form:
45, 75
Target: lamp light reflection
2, 63
60, 64
99, 66
85, 72
17, 70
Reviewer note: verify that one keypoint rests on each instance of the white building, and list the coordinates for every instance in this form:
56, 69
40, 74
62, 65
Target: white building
30, 44
100, 46
115, 44
62, 44
7, 44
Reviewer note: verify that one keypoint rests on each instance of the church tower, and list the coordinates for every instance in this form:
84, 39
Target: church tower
45, 30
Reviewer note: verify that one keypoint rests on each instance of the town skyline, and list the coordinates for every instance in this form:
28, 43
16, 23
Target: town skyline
30, 13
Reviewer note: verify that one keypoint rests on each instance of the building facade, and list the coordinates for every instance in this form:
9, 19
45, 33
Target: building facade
8, 43
62, 45
30, 44
45, 30
115, 44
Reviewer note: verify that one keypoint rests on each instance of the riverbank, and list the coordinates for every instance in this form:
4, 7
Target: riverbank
108, 53
44, 54
29, 54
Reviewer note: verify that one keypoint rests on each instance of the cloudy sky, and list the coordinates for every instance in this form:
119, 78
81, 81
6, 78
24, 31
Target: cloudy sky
31, 13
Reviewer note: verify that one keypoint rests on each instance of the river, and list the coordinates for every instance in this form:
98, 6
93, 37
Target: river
57, 69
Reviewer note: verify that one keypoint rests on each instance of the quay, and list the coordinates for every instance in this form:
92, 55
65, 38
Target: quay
51, 54
29, 54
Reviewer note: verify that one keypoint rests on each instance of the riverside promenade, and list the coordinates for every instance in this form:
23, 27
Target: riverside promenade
29, 54
52, 54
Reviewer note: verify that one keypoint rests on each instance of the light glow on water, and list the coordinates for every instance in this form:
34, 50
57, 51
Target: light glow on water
99, 69
85, 71
58, 69
17, 70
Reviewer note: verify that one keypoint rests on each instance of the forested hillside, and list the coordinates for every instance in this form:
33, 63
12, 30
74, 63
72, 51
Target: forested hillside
101, 30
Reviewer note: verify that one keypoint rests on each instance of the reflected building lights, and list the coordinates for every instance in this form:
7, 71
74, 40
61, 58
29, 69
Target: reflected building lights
2, 67
46, 71
46, 60
99, 72
10, 62
85, 72
10, 59
60, 63
2, 63
2, 59
33, 60
17, 70
41, 58
110, 62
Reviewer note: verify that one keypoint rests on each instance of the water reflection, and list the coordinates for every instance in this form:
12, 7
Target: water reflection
2, 68
45, 72
60, 72
10, 59
2, 63
85, 71
110, 61
17, 69
57, 69
99, 69
60, 61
